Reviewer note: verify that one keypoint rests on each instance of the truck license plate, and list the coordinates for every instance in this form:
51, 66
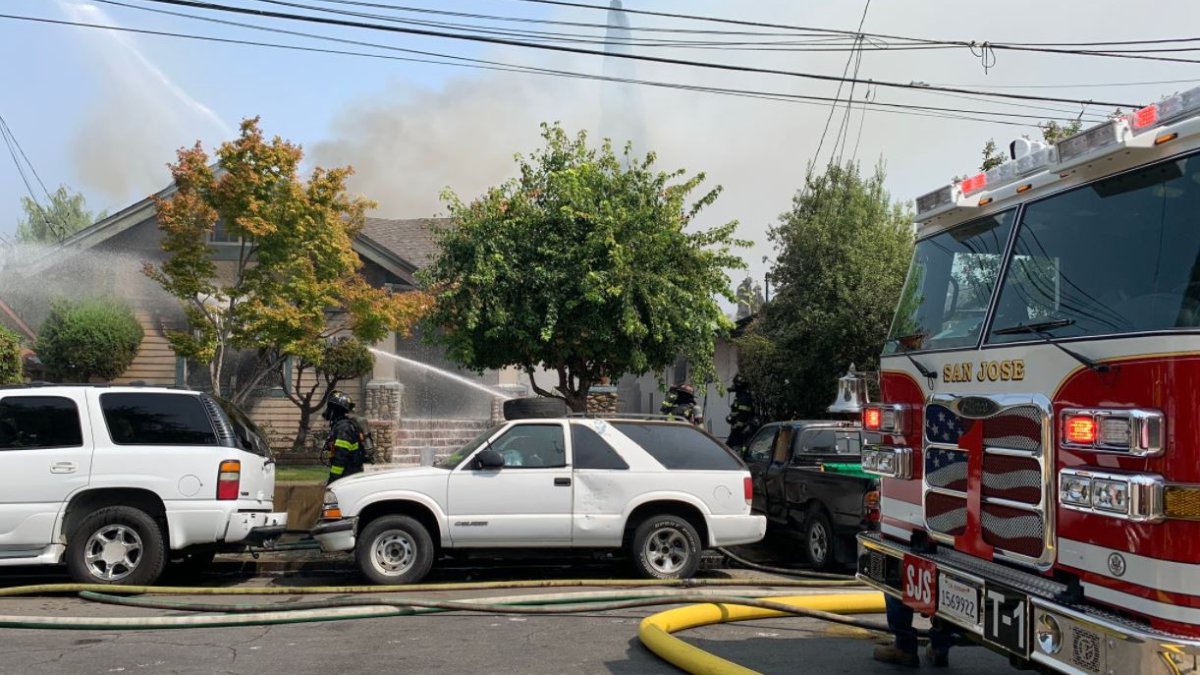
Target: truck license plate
958, 600
918, 579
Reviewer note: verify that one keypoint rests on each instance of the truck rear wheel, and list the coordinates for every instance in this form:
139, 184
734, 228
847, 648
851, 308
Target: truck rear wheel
666, 547
394, 550
116, 545
817, 540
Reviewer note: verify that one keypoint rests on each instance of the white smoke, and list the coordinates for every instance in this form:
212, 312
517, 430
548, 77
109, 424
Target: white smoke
140, 118
407, 143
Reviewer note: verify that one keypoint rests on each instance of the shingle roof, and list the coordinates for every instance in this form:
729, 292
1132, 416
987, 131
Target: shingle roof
410, 239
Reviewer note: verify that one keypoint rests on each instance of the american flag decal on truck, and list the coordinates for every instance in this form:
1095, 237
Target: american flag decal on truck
1001, 455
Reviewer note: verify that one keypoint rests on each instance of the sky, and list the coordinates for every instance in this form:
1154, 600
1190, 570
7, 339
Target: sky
103, 112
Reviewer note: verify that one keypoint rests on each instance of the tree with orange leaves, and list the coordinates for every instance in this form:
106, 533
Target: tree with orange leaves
295, 282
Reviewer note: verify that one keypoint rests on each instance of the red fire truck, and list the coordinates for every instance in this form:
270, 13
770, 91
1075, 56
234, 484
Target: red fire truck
1038, 433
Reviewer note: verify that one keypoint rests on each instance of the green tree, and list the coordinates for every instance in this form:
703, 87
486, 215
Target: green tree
296, 279
12, 369
341, 359
843, 251
584, 264
89, 338
64, 215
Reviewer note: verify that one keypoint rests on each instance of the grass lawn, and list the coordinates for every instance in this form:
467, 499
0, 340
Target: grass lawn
295, 473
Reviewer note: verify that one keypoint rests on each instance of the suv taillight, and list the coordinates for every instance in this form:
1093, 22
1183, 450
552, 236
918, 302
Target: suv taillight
748, 489
229, 479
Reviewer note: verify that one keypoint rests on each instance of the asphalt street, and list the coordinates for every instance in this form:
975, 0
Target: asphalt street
595, 642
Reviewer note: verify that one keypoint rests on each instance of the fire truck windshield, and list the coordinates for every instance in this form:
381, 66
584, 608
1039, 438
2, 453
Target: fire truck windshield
1118, 256
949, 286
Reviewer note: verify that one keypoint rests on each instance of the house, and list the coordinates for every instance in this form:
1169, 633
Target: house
416, 398
108, 259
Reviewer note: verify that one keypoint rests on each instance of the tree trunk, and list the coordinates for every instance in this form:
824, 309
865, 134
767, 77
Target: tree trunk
302, 433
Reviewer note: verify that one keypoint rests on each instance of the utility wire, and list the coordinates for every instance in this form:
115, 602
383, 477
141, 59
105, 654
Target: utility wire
903, 109
14, 147
1024, 46
495, 65
591, 52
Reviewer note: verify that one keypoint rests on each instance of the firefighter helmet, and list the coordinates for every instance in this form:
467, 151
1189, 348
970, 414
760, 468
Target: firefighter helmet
338, 401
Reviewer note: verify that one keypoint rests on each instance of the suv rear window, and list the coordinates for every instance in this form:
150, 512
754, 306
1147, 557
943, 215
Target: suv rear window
592, 452
157, 419
29, 422
680, 446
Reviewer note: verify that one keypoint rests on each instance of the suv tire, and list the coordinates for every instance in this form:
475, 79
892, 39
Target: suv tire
534, 408
666, 547
816, 542
116, 545
394, 550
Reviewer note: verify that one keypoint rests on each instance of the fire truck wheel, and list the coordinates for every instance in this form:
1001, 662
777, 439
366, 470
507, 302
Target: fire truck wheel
817, 540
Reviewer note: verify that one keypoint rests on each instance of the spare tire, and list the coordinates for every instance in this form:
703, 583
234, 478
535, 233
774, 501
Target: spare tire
534, 408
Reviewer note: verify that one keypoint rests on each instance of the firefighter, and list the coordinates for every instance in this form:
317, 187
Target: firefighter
680, 401
344, 441
742, 420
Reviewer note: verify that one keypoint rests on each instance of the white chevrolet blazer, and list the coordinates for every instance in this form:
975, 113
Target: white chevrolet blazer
661, 491
119, 481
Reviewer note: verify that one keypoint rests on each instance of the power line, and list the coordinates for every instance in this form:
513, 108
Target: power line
10, 140
591, 52
496, 65
1011, 46
841, 31
891, 108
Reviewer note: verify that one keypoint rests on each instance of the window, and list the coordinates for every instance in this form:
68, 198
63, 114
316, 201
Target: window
221, 235
29, 422
532, 446
592, 452
679, 446
465, 451
827, 442
249, 437
157, 419
1118, 256
949, 286
760, 447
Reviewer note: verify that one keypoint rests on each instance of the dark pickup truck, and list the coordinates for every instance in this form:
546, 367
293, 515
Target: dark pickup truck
808, 483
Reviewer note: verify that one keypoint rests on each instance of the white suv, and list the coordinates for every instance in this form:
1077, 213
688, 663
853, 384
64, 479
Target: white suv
662, 491
122, 480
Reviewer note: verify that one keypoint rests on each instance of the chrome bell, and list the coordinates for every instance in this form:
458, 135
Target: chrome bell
852, 393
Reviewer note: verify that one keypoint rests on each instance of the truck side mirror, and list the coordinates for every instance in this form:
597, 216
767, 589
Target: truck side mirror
489, 459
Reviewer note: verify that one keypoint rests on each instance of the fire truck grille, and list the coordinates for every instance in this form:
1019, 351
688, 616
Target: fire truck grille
1016, 428
1015, 530
1017, 479
946, 514
946, 469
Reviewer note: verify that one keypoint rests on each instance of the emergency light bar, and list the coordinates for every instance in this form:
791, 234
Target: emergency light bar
1122, 132
1167, 110
1087, 142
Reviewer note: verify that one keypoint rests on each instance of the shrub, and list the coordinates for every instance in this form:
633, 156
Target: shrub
87, 339
11, 370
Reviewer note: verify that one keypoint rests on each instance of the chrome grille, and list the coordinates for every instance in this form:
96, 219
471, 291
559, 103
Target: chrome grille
1012, 434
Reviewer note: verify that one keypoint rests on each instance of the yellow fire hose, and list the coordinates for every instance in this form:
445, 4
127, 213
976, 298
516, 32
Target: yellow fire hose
656, 631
